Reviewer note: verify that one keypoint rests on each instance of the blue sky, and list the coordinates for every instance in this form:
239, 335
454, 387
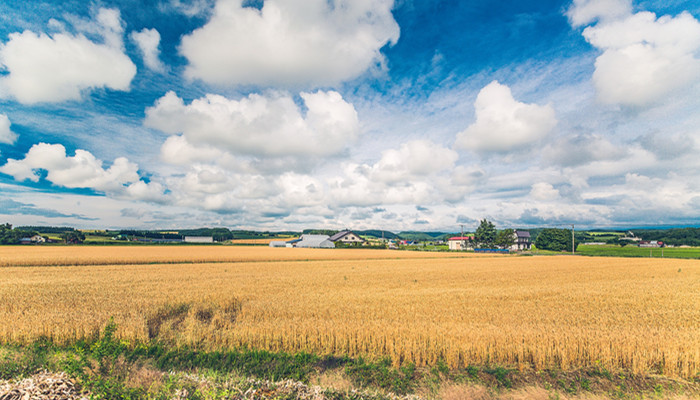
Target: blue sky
290, 114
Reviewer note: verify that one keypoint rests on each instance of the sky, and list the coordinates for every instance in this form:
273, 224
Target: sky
359, 114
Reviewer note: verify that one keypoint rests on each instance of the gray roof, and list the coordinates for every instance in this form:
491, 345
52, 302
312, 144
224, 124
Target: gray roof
522, 234
338, 235
314, 241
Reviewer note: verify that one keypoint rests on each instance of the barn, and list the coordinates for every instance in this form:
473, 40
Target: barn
312, 241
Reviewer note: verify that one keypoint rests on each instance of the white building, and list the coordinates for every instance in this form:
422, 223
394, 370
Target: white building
199, 239
460, 243
522, 241
347, 237
313, 241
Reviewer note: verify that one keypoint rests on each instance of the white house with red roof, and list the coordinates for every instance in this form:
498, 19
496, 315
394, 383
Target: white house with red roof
460, 243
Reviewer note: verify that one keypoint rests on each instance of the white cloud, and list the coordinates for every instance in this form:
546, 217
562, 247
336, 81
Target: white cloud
645, 58
259, 125
643, 194
669, 147
574, 150
293, 43
411, 174
6, 134
544, 192
584, 12
82, 170
54, 68
190, 8
504, 124
412, 160
148, 41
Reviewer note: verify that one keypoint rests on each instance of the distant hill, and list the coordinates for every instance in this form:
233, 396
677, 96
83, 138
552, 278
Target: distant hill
424, 236
376, 233
242, 234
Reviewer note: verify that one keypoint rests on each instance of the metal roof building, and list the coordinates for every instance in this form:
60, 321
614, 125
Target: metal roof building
313, 241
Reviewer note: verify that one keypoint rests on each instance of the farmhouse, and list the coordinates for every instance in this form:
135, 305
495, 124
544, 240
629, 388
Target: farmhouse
307, 241
460, 243
32, 240
522, 241
652, 243
346, 237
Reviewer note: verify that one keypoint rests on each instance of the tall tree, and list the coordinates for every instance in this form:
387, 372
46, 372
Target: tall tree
505, 238
554, 239
73, 237
485, 235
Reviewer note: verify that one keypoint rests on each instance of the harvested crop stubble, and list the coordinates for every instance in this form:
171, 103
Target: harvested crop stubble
531, 312
42, 386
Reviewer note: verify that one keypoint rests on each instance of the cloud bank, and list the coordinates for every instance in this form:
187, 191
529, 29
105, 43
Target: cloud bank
82, 170
293, 43
270, 125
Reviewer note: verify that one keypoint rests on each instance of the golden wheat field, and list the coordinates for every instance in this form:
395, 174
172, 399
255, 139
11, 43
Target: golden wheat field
641, 315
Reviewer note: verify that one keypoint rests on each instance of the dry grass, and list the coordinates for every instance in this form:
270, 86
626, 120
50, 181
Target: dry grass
259, 241
528, 312
16, 256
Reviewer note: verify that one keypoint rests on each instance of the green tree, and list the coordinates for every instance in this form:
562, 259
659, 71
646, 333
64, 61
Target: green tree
73, 237
554, 239
505, 238
485, 235
8, 235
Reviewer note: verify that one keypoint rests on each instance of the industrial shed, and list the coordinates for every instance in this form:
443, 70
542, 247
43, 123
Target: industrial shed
307, 241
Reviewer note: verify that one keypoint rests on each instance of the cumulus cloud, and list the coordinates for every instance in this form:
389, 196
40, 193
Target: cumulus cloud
414, 159
572, 150
269, 125
6, 134
584, 12
82, 170
54, 68
148, 41
409, 174
641, 192
644, 58
293, 43
504, 124
544, 191
668, 147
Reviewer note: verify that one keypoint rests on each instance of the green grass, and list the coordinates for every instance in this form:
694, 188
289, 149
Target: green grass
634, 251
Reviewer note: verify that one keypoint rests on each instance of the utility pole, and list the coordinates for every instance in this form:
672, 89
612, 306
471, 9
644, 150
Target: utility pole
463, 245
573, 246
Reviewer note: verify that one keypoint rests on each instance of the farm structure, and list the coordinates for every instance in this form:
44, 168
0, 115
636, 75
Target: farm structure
460, 243
199, 239
310, 241
36, 239
522, 241
347, 237
652, 243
